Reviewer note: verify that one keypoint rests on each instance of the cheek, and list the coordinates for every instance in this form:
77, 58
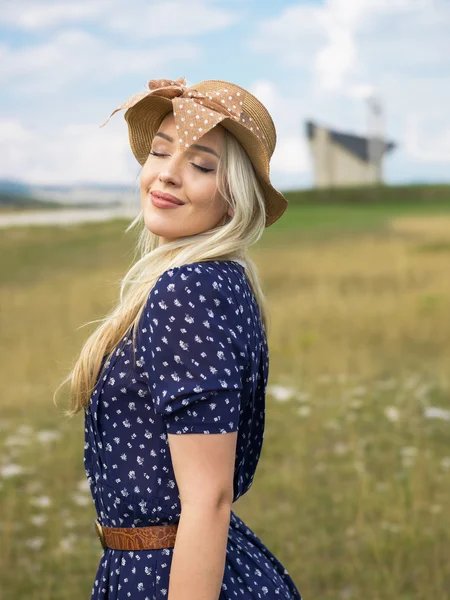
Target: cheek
147, 175
203, 191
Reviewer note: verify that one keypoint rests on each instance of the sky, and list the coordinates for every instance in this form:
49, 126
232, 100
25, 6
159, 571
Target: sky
66, 65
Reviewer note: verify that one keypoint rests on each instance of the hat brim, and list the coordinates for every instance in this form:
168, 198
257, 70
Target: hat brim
145, 117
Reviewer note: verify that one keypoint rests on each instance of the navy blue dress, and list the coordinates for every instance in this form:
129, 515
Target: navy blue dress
201, 366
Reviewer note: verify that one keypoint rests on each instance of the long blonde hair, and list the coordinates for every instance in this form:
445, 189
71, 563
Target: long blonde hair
237, 182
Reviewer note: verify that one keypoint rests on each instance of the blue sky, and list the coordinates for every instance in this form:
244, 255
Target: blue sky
64, 66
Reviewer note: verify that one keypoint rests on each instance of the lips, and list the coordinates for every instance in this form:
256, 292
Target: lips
163, 197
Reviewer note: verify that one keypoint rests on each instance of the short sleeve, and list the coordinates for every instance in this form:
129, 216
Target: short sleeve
196, 353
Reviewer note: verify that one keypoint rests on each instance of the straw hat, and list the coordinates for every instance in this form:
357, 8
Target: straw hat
198, 109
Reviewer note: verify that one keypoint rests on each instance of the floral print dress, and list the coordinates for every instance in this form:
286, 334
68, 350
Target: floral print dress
200, 366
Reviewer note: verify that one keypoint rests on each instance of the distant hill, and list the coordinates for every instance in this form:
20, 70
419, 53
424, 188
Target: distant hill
8, 186
15, 201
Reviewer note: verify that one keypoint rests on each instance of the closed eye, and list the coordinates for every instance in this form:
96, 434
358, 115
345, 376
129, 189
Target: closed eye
202, 169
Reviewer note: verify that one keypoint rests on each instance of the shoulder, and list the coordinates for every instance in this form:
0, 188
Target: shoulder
221, 270
200, 285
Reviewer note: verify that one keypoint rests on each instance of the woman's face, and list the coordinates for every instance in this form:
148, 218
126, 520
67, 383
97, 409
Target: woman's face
188, 177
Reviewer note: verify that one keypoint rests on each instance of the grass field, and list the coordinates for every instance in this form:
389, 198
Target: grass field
352, 489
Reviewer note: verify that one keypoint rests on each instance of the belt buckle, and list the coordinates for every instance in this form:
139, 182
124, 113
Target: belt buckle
99, 531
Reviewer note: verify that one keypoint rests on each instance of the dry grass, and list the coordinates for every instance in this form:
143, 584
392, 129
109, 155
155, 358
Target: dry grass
437, 226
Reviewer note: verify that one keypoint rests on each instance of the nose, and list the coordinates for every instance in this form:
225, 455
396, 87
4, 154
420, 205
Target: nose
170, 171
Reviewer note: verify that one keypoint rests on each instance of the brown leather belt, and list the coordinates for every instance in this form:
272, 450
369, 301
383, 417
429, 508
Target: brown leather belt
137, 538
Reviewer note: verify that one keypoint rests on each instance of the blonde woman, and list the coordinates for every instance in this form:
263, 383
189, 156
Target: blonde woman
172, 383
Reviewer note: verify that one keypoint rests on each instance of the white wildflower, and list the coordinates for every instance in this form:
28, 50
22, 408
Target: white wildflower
281, 393
433, 412
392, 413
11, 470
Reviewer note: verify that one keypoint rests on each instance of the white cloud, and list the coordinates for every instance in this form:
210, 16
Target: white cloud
136, 18
338, 40
17, 139
291, 152
74, 56
266, 92
75, 153
172, 19
363, 34
32, 16
427, 141
291, 156
292, 37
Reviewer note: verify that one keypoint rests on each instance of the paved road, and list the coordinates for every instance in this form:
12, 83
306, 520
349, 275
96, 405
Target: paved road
66, 217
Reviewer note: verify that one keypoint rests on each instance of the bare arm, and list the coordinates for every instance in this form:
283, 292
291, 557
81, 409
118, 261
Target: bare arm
203, 466
198, 562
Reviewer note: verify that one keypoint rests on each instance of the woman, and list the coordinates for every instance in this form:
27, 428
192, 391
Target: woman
184, 354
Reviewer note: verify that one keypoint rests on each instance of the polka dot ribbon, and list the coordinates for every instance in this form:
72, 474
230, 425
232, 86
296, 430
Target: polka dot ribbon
195, 113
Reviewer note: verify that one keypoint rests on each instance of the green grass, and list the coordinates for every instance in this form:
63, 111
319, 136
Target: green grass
429, 195
348, 217
30, 253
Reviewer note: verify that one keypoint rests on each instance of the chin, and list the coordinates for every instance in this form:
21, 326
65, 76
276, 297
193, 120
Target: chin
160, 227
154, 227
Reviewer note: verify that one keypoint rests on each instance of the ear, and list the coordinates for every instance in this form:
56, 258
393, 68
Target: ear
230, 211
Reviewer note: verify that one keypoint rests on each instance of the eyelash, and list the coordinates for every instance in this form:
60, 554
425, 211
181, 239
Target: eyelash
202, 169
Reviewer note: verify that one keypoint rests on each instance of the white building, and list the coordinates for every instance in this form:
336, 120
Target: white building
343, 159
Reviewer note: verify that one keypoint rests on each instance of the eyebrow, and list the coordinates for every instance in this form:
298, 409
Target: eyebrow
197, 146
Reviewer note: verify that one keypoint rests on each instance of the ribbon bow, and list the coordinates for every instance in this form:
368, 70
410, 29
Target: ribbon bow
195, 113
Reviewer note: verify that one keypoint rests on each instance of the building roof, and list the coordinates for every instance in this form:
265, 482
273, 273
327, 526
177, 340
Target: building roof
355, 144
